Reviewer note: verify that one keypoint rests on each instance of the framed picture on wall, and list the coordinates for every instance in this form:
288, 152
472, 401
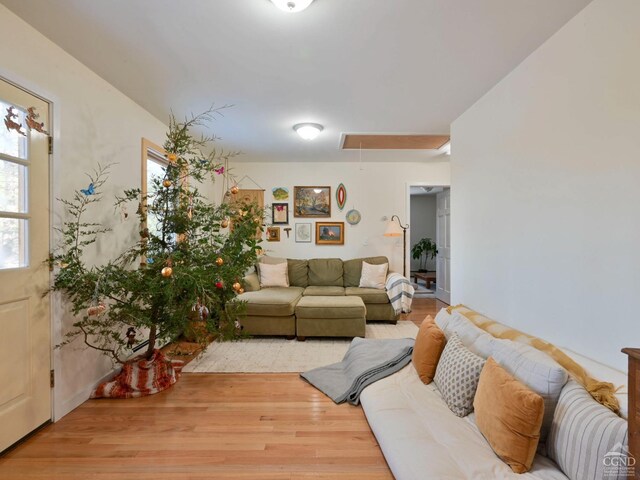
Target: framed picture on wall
280, 213
273, 234
329, 233
312, 202
303, 232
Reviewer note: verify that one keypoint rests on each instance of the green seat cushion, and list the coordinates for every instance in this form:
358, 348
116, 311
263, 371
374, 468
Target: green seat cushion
326, 291
330, 307
353, 269
325, 272
272, 301
368, 295
298, 272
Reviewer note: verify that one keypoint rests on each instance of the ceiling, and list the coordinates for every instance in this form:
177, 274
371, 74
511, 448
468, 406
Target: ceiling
355, 66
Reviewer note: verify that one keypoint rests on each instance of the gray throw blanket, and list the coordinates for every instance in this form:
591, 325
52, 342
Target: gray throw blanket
365, 362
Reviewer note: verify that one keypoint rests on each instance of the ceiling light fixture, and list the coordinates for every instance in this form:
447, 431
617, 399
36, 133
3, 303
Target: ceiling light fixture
292, 6
308, 131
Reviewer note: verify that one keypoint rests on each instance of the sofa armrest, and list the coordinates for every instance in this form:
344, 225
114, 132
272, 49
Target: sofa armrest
251, 282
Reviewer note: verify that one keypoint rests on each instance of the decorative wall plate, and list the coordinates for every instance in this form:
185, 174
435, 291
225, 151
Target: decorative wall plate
341, 196
353, 217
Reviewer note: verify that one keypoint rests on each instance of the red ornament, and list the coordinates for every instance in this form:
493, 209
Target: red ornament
219, 285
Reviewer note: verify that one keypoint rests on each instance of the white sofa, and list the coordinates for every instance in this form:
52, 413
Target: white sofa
422, 439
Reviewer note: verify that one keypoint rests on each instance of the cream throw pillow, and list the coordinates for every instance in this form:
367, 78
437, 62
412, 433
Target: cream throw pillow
373, 276
273, 275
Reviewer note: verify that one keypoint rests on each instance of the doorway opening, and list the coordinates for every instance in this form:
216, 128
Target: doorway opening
429, 243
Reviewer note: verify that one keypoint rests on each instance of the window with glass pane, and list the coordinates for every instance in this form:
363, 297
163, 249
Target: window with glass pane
12, 142
156, 168
14, 208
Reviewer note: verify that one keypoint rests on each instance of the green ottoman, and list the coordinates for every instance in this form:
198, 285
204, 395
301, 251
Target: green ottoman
324, 316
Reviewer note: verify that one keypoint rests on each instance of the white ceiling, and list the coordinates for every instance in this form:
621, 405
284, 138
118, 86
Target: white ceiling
358, 66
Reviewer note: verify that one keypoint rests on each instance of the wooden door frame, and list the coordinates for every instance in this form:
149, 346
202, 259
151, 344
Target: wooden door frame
407, 212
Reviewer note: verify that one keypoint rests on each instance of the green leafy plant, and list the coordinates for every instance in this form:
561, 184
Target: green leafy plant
424, 250
187, 266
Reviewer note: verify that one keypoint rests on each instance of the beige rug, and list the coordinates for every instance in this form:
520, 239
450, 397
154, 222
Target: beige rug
276, 354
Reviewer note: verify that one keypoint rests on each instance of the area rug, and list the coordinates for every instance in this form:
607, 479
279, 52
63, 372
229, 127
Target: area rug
279, 355
422, 292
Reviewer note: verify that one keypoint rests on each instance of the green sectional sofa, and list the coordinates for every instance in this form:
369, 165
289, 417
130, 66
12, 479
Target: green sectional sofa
272, 311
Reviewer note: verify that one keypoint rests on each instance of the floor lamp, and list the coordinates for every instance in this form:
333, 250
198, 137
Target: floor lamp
396, 229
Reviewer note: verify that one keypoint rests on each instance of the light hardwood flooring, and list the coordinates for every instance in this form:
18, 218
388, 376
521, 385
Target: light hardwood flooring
210, 426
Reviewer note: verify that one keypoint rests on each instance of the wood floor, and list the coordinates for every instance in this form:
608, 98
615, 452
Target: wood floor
210, 426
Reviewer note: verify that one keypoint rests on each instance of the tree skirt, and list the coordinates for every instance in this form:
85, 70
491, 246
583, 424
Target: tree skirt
141, 378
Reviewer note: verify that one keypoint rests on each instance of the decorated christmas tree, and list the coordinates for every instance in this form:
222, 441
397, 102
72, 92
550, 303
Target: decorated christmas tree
187, 266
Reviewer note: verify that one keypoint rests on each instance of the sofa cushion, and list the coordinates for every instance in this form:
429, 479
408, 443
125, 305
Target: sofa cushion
471, 336
353, 269
430, 342
298, 272
325, 272
272, 302
330, 307
584, 434
422, 439
251, 282
457, 376
368, 295
537, 371
374, 276
509, 415
315, 290
273, 275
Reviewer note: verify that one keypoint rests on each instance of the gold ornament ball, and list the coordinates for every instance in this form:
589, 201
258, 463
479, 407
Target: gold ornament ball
241, 290
167, 272
235, 189
224, 223
237, 286
172, 157
219, 261
167, 183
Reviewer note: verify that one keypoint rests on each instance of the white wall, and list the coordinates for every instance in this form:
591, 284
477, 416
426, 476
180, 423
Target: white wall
546, 203
423, 223
376, 189
93, 122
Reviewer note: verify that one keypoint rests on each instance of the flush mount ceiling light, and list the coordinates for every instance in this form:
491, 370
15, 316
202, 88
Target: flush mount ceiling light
308, 131
292, 6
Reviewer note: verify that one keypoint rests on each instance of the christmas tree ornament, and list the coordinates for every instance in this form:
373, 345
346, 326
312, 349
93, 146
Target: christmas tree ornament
131, 337
224, 223
96, 309
167, 272
167, 183
237, 286
219, 285
219, 261
241, 290
172, 157
234, 190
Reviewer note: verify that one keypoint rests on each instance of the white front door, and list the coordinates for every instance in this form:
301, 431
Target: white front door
443, 243
25, 328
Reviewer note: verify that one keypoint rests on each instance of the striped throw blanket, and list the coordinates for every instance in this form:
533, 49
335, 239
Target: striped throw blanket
400, 292
140, 378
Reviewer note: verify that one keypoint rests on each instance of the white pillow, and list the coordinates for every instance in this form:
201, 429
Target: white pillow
373, 276
474, 338
266, 259
536, 370
273, 275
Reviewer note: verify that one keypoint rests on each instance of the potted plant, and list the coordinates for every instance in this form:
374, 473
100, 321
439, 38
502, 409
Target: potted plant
424, 250
185, 267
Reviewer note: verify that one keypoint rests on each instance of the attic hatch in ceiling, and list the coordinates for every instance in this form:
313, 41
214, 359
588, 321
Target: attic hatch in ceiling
393, 142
